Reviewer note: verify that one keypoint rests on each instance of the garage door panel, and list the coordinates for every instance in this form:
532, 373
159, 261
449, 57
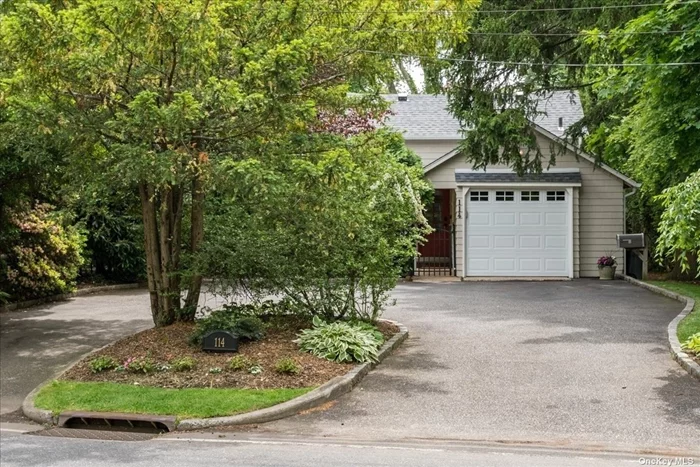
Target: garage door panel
479, 241
530, 241
555, 265
480, 219
517, 238
555, 218
530, 264
479, 266
503, 265
555, 241
503, 218
504, 241
531, 218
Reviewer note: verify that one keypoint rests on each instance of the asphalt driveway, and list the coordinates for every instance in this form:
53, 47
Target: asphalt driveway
564, 363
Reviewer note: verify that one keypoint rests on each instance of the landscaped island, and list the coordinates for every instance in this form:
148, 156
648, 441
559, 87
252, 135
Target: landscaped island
164, 371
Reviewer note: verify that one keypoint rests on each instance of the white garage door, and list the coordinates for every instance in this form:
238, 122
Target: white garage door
517, 232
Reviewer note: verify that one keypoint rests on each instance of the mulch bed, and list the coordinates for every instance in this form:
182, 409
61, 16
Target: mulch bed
164, 344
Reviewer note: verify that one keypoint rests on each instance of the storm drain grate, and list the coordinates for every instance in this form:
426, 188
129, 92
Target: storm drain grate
153, 424
105, 435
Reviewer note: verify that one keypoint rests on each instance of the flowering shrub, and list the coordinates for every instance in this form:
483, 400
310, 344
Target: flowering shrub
43, 256
604, 261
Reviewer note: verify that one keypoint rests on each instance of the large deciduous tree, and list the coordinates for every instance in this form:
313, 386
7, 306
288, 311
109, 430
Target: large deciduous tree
155, 95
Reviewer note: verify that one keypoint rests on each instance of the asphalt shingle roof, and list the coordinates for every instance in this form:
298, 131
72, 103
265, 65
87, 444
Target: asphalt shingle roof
545, 177
426, 117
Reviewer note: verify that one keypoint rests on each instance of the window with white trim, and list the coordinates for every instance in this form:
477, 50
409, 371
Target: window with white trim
505, 196
529, 196
556, 195
478, 196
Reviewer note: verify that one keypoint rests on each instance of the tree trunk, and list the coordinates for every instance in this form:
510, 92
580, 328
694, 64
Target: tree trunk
162, 223
196, 238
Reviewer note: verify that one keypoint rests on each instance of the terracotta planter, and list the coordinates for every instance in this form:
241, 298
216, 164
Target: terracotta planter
606, 273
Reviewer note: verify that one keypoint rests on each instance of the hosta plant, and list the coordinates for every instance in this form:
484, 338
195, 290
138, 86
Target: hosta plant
692, 344
340, 342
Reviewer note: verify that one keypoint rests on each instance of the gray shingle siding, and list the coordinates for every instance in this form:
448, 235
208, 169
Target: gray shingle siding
426, 117
489, 177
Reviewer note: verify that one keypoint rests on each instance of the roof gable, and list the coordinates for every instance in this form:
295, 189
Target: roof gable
587, 157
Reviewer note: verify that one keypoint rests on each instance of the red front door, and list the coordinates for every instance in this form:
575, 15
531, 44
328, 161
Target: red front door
439, 242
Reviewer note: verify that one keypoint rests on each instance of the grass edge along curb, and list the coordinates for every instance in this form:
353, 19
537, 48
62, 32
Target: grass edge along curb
65, 397
329, 391
683, 359
324, 393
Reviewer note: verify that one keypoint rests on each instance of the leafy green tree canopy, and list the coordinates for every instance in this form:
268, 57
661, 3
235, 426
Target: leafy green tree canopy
158, 94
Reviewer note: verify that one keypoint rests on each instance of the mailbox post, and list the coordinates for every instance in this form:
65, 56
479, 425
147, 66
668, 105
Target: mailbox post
636, 245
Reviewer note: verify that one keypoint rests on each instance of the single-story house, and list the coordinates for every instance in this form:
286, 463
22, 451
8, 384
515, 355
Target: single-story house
494, 223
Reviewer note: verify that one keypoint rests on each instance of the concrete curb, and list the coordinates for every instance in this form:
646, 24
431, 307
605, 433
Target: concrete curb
677, 353
327, 392
61, 297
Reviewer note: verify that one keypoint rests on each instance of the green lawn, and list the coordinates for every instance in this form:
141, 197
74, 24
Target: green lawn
183, 403
691, 324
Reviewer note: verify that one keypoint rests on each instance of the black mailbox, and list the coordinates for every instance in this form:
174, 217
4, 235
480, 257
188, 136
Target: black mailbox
630, 241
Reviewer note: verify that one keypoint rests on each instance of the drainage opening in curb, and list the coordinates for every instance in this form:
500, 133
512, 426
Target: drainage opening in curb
116, 422
138, 426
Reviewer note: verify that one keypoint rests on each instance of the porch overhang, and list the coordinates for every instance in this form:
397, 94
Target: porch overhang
492, 177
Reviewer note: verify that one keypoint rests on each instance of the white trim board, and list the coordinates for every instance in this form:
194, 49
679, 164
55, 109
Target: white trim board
543, 185
510, 171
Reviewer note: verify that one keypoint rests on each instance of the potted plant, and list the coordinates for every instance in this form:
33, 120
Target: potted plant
606, 267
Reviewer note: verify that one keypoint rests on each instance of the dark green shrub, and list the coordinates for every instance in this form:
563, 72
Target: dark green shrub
247, 328
102, 363
287, 366
43, 255
340, 342
140, 365
114, 247
240, 363
183, 364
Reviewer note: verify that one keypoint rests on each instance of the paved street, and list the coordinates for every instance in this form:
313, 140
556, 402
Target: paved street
21, 451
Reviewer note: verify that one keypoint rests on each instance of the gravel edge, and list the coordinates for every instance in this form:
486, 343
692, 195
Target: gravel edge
327, 392
324, 393
57, 298
677, 353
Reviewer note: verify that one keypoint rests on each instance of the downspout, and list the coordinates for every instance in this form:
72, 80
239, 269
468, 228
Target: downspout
624, 220
624, 209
